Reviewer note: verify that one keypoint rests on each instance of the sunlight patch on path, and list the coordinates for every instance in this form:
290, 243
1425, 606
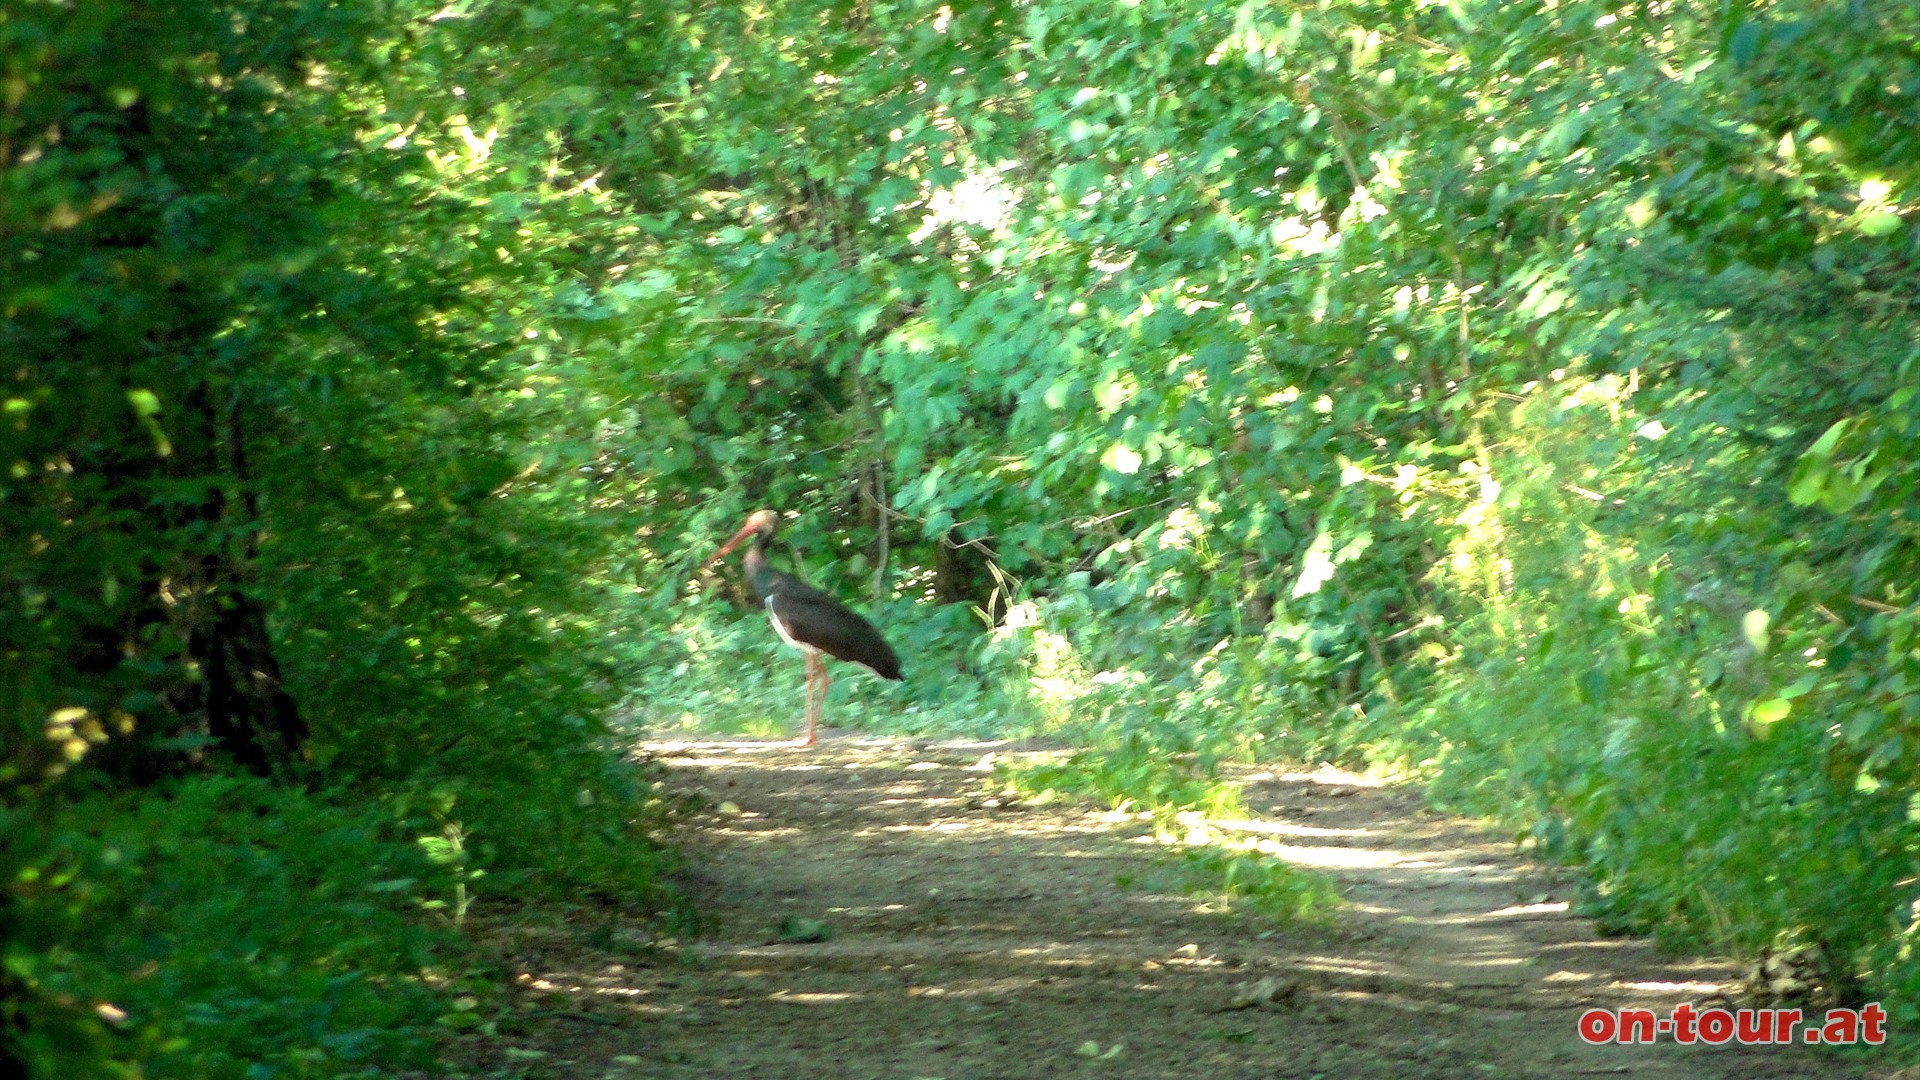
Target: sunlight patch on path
972, 938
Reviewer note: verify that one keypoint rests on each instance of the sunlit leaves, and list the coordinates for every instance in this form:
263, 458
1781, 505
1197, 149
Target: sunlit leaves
1839, 471
296, 307
1121, 458
1753, 627
1373, 342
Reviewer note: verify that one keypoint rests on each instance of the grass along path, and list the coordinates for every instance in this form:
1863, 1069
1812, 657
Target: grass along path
968, 940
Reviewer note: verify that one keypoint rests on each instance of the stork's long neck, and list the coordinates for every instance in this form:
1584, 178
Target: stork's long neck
756, 564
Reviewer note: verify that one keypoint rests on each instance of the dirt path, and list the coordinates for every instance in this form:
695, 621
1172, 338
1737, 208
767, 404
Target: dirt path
972, 941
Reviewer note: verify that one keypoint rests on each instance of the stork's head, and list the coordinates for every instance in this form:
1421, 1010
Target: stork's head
761, 522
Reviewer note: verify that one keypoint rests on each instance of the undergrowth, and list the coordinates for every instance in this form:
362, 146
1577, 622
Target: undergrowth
1242, 878
1183, 798
227, 927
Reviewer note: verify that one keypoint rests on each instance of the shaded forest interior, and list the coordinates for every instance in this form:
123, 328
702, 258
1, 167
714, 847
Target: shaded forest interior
1518, 399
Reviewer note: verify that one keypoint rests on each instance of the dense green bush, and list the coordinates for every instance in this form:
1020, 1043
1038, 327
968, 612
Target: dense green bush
299, 480
1515, 393
1519, 394
232, 928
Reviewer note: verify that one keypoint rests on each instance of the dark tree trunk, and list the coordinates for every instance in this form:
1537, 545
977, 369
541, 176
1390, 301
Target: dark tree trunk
246, 707
226, 627
194, 592
961, 576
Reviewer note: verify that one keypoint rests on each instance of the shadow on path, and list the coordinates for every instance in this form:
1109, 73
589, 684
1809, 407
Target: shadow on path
973, 941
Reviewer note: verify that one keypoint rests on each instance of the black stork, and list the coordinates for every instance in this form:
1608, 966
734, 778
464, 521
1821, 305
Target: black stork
808, 619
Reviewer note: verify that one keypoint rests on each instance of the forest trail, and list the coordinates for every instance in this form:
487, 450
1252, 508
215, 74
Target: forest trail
970, 940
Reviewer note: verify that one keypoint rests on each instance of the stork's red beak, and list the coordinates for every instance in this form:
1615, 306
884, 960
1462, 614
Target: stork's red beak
727, 548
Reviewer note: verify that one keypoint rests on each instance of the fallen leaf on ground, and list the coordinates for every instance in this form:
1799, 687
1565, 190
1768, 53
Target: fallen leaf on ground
1267, 991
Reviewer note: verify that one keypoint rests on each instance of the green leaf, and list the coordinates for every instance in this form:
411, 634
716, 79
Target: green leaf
145, 403
798, 931
1744, 43
1593, 686
1753, 627
1799, 687
1316, 567
1809, 481
1823, 447
1879, 223
1121, 458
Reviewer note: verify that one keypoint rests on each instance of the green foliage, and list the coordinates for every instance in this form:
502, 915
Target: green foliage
1247, 880
1514, 392
300, 469
1124, 777
231, 928
1519, 393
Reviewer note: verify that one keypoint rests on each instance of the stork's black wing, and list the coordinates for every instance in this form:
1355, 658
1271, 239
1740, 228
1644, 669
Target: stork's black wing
811, 617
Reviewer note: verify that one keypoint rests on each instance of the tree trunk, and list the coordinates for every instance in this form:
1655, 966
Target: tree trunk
246, 707
961, 576
192, 590
883, 526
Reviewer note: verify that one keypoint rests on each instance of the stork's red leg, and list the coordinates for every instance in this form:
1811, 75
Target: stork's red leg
826, 681
816, 672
